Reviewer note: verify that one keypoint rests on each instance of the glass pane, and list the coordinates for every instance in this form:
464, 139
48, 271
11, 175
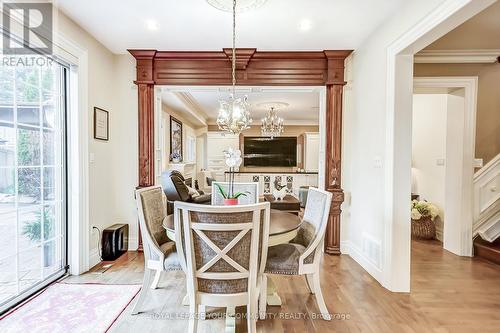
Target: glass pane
52, 260
28, 150
27, 85
28, 115
48, 147
8, 277
6, 85
49, 222
29, 185
7, 145
30, 227
7, 190
30, 267
49, 116
7, 232
7, 113
49, 184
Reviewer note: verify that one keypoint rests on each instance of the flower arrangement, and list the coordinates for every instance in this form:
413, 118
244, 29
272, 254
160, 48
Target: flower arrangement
233, 161
420, 209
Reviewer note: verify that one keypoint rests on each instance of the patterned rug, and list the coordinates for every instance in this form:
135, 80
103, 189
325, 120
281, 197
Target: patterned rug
68, 307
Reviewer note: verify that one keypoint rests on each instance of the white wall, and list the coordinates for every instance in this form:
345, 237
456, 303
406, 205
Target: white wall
429, 148
113, 171
365, 138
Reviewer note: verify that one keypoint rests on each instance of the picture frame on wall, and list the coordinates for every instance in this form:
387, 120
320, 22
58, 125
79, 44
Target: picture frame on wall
175, 140
101, 124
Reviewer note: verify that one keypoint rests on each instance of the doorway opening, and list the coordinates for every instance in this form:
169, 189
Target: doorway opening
443, 127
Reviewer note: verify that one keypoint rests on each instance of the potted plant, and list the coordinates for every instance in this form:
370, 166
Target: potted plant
176, 157
33, 230
423, 214
233, 161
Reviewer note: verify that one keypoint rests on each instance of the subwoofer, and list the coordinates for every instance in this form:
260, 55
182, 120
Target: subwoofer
114, 241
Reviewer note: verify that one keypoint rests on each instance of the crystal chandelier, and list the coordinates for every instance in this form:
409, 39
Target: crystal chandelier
234, 116
272, 125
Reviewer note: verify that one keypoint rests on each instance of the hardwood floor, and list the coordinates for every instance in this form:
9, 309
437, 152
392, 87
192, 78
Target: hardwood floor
449, 294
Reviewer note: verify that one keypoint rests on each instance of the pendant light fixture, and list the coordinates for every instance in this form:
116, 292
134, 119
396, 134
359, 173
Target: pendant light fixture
234, 116
272, 125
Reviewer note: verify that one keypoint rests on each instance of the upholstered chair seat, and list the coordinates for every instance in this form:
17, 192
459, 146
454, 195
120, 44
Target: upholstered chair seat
284, 259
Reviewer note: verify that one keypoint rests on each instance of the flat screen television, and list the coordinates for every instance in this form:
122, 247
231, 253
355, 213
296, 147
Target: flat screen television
267, 152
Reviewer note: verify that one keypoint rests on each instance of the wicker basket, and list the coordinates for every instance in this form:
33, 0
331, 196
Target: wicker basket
424, 228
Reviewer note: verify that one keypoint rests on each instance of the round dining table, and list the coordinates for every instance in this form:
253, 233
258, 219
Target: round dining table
283, 227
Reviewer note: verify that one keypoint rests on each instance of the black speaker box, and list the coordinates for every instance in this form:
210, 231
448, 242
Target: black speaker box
114, 241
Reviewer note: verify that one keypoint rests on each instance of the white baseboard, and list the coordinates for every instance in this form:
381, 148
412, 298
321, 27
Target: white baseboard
133, 243
344, 247
356, 254
94, 257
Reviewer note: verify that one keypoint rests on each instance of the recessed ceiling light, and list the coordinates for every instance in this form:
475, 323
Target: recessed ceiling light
152, 25
305, 25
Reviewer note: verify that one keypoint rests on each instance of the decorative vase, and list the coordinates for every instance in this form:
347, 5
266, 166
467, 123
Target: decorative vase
231, 202
423, 228
279, 194
176, 160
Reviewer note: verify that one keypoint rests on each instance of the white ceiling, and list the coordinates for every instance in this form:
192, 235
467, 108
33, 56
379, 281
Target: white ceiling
195, 25
303, 108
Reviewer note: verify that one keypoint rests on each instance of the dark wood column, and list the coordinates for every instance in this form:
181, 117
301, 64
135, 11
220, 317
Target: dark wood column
334, 90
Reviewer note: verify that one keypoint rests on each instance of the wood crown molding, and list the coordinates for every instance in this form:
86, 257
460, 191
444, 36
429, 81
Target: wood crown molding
313, 68
477, 56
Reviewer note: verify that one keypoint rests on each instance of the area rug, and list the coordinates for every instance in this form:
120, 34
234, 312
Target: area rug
68, 307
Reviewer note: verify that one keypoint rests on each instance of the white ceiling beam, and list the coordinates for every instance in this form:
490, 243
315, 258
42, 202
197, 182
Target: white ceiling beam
478, 56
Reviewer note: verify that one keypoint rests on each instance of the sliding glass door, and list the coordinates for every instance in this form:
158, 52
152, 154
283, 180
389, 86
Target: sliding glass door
32, 177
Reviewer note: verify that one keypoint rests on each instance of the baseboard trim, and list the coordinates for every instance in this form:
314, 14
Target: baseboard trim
94, 257
133, 243
356, 254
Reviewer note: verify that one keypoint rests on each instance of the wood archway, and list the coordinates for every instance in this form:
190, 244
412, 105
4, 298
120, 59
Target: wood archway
322, 68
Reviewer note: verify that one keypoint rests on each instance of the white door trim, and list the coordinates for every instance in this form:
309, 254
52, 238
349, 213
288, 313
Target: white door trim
400, 54
459, 242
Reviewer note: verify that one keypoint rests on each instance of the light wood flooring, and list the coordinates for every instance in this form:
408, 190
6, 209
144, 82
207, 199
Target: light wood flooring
449, 294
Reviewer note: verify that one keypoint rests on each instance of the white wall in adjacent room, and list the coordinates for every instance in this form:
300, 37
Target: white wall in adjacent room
429, 149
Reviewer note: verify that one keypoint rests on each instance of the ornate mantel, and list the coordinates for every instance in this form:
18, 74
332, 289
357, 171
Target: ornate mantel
321, 68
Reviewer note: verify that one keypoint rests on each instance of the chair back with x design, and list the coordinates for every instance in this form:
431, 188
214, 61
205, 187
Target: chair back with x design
225, 250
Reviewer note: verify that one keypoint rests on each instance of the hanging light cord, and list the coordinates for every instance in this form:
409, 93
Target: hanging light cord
234, 46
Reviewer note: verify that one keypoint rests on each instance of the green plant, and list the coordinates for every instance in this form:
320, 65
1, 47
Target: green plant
226, 195
33, 229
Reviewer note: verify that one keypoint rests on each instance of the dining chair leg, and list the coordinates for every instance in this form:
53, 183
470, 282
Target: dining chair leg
319, 297
193, 317
156, 280
263, 298
310, 283
144, 291
202, 310
252, 314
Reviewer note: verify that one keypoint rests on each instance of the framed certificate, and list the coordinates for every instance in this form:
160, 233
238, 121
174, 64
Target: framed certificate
101, 124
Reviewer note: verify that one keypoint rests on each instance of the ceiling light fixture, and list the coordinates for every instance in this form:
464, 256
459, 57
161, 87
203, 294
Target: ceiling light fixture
152, 25
243, 5
234, 116
272, 125
305, 25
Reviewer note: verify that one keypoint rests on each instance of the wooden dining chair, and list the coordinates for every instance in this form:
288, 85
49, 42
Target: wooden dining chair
302, 255
159, 252
251, 189
225, 248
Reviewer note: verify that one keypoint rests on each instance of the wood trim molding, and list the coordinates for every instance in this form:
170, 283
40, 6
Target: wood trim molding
205, 68
477, 56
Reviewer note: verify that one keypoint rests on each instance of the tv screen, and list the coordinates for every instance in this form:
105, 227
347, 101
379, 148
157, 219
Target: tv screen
267, 152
